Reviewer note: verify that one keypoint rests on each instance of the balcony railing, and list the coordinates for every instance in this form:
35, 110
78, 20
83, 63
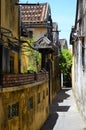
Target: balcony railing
11, 80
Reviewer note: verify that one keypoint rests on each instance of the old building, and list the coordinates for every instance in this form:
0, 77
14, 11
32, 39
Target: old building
36, 20
23, 97
78, 42
36, 23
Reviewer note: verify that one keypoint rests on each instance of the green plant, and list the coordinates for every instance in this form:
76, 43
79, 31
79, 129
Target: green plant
84, 128
65, 61
33, 56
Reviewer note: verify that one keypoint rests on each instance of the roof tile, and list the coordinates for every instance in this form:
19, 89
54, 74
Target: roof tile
33, 13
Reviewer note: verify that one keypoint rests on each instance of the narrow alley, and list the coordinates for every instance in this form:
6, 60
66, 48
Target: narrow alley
64, 114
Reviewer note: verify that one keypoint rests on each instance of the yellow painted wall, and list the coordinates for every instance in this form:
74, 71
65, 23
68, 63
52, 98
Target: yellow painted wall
28, 59
37, 34
9, 20
27, 119
9, 15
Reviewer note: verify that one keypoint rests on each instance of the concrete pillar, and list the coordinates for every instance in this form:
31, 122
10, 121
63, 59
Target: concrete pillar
61, 80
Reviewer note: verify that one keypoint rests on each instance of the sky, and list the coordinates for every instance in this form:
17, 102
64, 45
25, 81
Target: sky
63, 13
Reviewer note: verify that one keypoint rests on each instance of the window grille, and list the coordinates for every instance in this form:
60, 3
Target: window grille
13, 110
30, 103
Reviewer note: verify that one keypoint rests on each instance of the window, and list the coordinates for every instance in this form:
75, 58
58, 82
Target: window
30, 103
13, 110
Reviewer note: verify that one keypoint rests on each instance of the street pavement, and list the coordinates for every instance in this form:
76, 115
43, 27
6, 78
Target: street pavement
64, 114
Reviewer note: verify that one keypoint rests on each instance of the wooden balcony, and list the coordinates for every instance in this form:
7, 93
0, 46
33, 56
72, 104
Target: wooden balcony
11, 80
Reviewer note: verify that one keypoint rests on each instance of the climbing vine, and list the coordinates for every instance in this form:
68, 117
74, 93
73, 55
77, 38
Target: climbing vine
31, 59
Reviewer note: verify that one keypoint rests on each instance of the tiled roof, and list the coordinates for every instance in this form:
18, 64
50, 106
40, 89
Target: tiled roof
33, 13
44, 44
43, 41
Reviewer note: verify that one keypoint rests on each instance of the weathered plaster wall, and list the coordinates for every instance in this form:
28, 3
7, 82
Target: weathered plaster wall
9, 20
79, 83
79, 69
29, 104
9, 15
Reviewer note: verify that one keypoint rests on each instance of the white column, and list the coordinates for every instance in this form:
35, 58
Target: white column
61, 79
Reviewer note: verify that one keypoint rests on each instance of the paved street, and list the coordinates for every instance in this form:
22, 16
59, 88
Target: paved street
63, 113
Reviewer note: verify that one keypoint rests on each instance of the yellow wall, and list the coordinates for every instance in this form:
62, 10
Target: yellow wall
37, 34
27, 119
9, 20
9, 15
28, 59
